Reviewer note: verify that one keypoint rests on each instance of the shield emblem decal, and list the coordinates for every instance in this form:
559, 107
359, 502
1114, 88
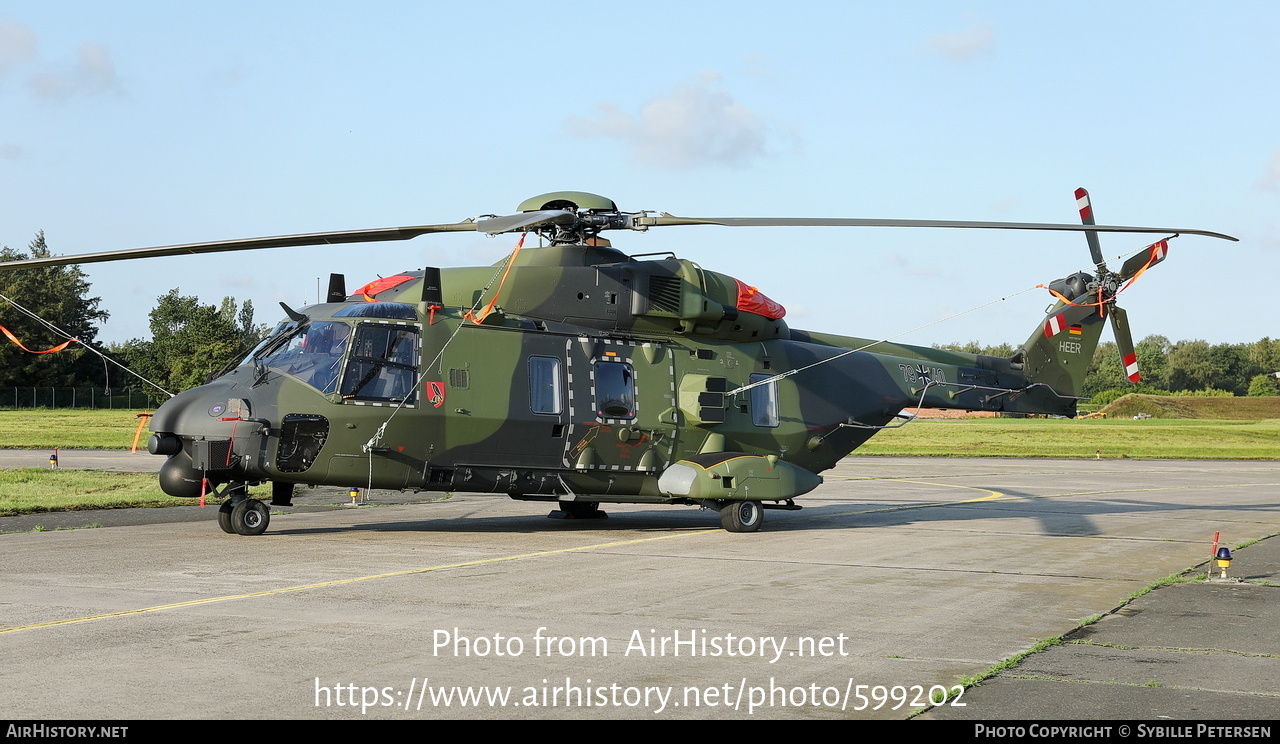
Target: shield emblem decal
435, 394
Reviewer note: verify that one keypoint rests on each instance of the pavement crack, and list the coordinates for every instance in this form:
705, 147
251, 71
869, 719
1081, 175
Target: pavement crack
1152, 684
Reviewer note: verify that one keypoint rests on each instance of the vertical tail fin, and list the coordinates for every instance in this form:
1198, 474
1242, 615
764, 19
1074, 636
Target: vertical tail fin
1059, 352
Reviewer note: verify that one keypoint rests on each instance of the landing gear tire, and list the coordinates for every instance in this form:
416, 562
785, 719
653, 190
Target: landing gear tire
741, 516
224, 517
250, 517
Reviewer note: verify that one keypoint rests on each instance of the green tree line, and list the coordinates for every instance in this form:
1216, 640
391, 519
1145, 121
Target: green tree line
1185, 367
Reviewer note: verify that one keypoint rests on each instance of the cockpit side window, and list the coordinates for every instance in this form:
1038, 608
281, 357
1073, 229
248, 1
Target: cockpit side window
383, 363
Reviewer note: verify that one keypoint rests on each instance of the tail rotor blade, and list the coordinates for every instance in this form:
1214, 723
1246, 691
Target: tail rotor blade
1150, 256
1070, 317
1086, 218
1124, 341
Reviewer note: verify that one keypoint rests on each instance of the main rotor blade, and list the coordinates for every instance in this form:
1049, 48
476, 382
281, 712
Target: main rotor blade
524, 220
245, 244
1124, 342
664, 219
1086, 218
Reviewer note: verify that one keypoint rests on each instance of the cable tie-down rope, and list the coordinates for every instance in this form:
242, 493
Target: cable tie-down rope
70, 339
864, 347
1153, 256
376, 439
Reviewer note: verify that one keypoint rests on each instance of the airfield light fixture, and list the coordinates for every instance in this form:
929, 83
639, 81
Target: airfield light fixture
1223, 559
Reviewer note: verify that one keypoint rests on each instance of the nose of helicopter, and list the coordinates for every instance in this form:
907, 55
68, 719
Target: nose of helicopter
200, 416
190, 413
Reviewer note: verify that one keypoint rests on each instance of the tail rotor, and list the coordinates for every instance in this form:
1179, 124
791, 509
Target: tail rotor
1101, 291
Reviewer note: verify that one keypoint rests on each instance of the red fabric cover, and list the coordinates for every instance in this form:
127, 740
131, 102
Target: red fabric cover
382, 285
751, 300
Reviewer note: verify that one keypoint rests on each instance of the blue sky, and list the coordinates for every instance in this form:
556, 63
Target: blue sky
131, 124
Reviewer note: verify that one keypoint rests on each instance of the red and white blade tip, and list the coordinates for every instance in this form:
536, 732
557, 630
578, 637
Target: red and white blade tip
1055, 325
1131, 368
1082, 203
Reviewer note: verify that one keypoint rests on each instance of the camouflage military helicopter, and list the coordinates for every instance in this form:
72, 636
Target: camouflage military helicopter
576, 374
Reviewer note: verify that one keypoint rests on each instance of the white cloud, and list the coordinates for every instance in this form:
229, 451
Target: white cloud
94, 69
92, 73
976, 39
17, 45
697, 124
1270, 180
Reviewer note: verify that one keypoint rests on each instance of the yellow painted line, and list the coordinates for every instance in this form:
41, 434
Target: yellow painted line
991, 496
996, 494
1158, 488
340, 582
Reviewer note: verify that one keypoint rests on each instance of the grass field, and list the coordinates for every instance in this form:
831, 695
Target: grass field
1180, 427
46, 428
34, 490
1150, 438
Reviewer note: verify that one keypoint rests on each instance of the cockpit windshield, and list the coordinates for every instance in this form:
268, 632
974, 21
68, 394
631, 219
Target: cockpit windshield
311, 352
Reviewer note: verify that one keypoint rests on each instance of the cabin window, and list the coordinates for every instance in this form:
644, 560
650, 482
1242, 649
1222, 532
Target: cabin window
544, 385
615, 390
383, 363
764, 401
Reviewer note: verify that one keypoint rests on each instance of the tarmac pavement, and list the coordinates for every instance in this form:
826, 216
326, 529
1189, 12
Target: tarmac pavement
1200, 650
902, 573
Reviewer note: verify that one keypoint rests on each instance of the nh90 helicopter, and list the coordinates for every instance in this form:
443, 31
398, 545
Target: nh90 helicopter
573, 373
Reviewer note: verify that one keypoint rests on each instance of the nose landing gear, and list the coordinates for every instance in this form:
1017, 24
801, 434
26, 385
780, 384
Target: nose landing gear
242, 515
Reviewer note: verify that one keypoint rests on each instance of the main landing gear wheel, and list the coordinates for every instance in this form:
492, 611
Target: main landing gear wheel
249, 517
741, 516
224, 517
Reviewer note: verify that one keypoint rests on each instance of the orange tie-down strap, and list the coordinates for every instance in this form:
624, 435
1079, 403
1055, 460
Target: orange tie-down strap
1156, 253
18, 343
479, 317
